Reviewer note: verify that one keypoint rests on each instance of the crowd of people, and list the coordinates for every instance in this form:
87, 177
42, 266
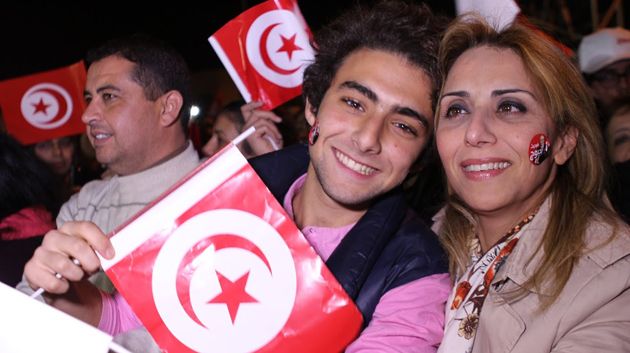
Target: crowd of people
467, 186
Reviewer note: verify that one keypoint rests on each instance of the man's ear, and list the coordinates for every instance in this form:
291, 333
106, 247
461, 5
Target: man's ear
171, 104
310, 113
565, 144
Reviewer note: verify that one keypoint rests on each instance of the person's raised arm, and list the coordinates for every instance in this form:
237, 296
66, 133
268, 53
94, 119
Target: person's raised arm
267, 137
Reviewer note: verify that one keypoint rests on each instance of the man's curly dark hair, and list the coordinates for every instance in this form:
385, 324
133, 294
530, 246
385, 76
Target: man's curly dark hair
401, 28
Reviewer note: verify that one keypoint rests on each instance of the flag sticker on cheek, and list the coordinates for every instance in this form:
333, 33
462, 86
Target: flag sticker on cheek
539, 149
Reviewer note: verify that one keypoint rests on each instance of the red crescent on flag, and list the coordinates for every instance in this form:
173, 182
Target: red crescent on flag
63, 105
264, 54
186, 268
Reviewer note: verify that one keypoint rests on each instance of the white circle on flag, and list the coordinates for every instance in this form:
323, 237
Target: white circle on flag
46, 106
265, 265
278, 47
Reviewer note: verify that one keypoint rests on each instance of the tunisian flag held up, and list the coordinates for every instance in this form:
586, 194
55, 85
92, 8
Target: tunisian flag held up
216, 265
265, 50
45, 105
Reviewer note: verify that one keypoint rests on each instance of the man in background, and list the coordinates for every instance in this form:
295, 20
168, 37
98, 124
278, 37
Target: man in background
604, 58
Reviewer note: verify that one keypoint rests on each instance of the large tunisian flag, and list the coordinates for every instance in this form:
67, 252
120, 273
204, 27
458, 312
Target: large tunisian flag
265, 50
45, 105
216, 265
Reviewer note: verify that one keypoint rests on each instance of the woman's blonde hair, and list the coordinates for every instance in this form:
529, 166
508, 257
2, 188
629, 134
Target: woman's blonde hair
578, 190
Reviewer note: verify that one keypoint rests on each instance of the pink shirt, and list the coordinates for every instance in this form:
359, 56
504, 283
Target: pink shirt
409, 318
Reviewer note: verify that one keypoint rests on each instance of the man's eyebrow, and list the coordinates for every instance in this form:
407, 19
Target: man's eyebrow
413, 114
374, 98
368, 93
101, 89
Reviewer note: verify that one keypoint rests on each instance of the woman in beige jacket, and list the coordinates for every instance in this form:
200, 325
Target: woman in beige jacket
540, 262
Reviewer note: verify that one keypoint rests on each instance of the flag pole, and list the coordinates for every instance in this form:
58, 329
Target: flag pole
245, 134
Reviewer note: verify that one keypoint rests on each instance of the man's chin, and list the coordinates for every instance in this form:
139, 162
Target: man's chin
353, 201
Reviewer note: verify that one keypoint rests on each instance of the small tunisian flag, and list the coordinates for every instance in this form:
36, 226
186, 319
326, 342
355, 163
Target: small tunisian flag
216, 265
265, 50
45, 105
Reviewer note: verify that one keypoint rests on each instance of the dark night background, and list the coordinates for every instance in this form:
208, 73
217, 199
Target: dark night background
37, 36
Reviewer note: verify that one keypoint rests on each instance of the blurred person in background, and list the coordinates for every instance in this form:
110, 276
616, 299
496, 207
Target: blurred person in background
68, 163
617, 136
28, 203
604, 58
617, 132
59, 154
235, 118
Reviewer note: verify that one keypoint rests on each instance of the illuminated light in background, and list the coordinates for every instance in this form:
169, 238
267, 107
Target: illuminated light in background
194, 111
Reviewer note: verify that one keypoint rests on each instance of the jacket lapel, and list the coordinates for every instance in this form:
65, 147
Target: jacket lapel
502, 337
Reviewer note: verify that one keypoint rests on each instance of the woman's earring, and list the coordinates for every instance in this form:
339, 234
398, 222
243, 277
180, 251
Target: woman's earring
313, 134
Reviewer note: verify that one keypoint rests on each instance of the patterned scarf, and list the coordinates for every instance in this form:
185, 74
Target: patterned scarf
464, 304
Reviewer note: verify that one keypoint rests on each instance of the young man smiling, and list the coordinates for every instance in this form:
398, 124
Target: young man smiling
369, 101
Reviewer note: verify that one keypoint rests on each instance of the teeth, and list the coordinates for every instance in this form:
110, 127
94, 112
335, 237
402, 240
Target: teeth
357, 167
486, 166
101, 136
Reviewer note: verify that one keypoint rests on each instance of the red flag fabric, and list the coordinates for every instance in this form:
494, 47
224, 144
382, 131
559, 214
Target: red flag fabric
265, 50
216, 265
45, 105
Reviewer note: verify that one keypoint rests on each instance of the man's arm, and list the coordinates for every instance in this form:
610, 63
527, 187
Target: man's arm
409, 318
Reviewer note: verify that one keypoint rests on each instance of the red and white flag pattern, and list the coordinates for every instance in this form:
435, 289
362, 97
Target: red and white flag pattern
265, 50
45, 105
216, 265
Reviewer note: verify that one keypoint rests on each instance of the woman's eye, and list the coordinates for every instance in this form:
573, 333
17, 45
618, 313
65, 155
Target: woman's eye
620, 140
454, 110
511, 107
353, 103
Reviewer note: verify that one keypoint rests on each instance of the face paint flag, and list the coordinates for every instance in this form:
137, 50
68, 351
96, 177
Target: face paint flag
45, 105
216, 265
265, 50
